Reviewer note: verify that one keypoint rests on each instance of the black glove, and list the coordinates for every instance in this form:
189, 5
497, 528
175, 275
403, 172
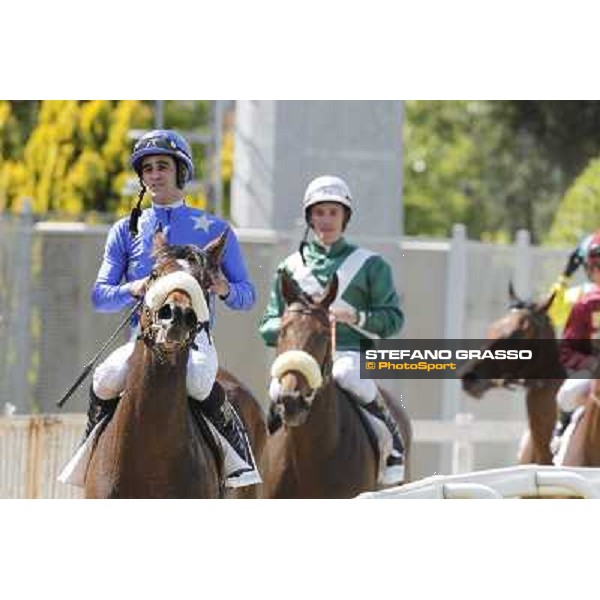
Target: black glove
575, 260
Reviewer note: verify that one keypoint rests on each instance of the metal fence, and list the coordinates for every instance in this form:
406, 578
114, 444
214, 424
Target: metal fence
450, 288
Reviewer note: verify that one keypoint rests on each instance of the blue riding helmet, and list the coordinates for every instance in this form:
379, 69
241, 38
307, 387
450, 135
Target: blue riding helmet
164, 141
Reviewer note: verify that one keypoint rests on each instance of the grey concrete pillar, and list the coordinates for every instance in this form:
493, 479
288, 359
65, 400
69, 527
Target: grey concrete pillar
281, 145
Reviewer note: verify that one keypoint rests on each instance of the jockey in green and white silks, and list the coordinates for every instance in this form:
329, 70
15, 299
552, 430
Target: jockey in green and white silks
366, 306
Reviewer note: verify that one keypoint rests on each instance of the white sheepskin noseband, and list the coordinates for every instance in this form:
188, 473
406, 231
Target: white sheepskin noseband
179, 280
298, 360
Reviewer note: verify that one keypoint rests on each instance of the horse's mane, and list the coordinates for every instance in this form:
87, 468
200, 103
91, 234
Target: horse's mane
196, 258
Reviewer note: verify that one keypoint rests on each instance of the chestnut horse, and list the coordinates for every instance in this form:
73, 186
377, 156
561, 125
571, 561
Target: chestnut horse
153, 447
528, 321
322, 450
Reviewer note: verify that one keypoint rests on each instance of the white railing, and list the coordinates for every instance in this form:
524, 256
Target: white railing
524, 481
33, 449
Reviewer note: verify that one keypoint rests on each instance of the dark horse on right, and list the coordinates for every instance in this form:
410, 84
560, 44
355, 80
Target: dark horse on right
527, 321
322, 450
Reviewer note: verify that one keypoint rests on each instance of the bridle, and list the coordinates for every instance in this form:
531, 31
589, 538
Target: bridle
539, 321
155, 322
322, 315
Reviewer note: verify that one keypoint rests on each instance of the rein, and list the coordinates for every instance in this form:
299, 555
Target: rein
150, 334
323, 317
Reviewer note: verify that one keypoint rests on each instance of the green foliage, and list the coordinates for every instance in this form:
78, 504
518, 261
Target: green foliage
566, 133
465, 162
579, 211
72, 157
69, 158
443, 166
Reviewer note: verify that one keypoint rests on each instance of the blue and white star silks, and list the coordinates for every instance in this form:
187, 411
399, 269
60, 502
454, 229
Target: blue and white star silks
128, 259
202, 222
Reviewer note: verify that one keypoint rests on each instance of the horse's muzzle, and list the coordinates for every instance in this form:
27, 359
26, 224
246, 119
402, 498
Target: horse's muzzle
176, 322
294, 409
474, 385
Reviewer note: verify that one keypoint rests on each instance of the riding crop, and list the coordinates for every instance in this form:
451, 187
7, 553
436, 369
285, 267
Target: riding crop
88, 368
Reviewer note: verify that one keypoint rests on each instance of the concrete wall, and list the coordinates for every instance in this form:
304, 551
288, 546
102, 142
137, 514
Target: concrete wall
280, 146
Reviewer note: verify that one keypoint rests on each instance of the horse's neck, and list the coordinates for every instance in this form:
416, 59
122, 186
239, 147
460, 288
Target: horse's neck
322, 430
541, 415
156, 395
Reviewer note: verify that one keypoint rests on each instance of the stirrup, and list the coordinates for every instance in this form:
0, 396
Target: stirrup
243, 478
393, 474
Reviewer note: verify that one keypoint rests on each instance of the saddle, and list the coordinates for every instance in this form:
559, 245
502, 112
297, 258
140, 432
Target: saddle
215, 399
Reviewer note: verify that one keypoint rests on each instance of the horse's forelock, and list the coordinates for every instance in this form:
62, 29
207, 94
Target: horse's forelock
166, 255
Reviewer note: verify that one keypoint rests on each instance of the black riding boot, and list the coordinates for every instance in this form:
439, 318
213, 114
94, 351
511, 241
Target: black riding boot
564, 418
97, 410
221, 414
395, 461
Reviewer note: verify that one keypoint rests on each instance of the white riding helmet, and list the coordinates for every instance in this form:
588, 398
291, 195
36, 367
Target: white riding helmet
327, 188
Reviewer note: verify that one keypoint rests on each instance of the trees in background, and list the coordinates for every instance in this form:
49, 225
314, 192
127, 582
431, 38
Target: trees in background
497, 166
69, 158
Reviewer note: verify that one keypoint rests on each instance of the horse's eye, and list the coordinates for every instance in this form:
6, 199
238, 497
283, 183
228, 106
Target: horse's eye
165, 312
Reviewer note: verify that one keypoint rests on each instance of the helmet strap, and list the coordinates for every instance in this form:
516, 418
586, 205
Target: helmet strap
136, 211
181, 173
303, 244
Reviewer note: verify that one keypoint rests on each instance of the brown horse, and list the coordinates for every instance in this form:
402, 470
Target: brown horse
322, 450
528, 321
153, 447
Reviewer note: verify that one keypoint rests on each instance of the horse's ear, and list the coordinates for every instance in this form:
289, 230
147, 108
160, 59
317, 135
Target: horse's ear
330, 292
543, 307
289, 288
512, 297
214, 250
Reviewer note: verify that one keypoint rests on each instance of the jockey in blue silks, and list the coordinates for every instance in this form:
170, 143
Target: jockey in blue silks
162, 160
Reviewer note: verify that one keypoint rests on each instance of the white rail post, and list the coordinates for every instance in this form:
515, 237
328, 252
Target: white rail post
463, 454
454, 321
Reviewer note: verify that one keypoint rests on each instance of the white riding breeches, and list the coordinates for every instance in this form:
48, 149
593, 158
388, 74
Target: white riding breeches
346, 372
572, 393
109, 377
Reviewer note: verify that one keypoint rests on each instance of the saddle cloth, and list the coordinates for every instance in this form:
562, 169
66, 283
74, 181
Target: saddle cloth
379, 436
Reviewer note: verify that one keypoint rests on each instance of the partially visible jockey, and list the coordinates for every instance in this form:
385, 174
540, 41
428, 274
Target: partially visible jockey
565, 297
162, 159
580, 344
366, 307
